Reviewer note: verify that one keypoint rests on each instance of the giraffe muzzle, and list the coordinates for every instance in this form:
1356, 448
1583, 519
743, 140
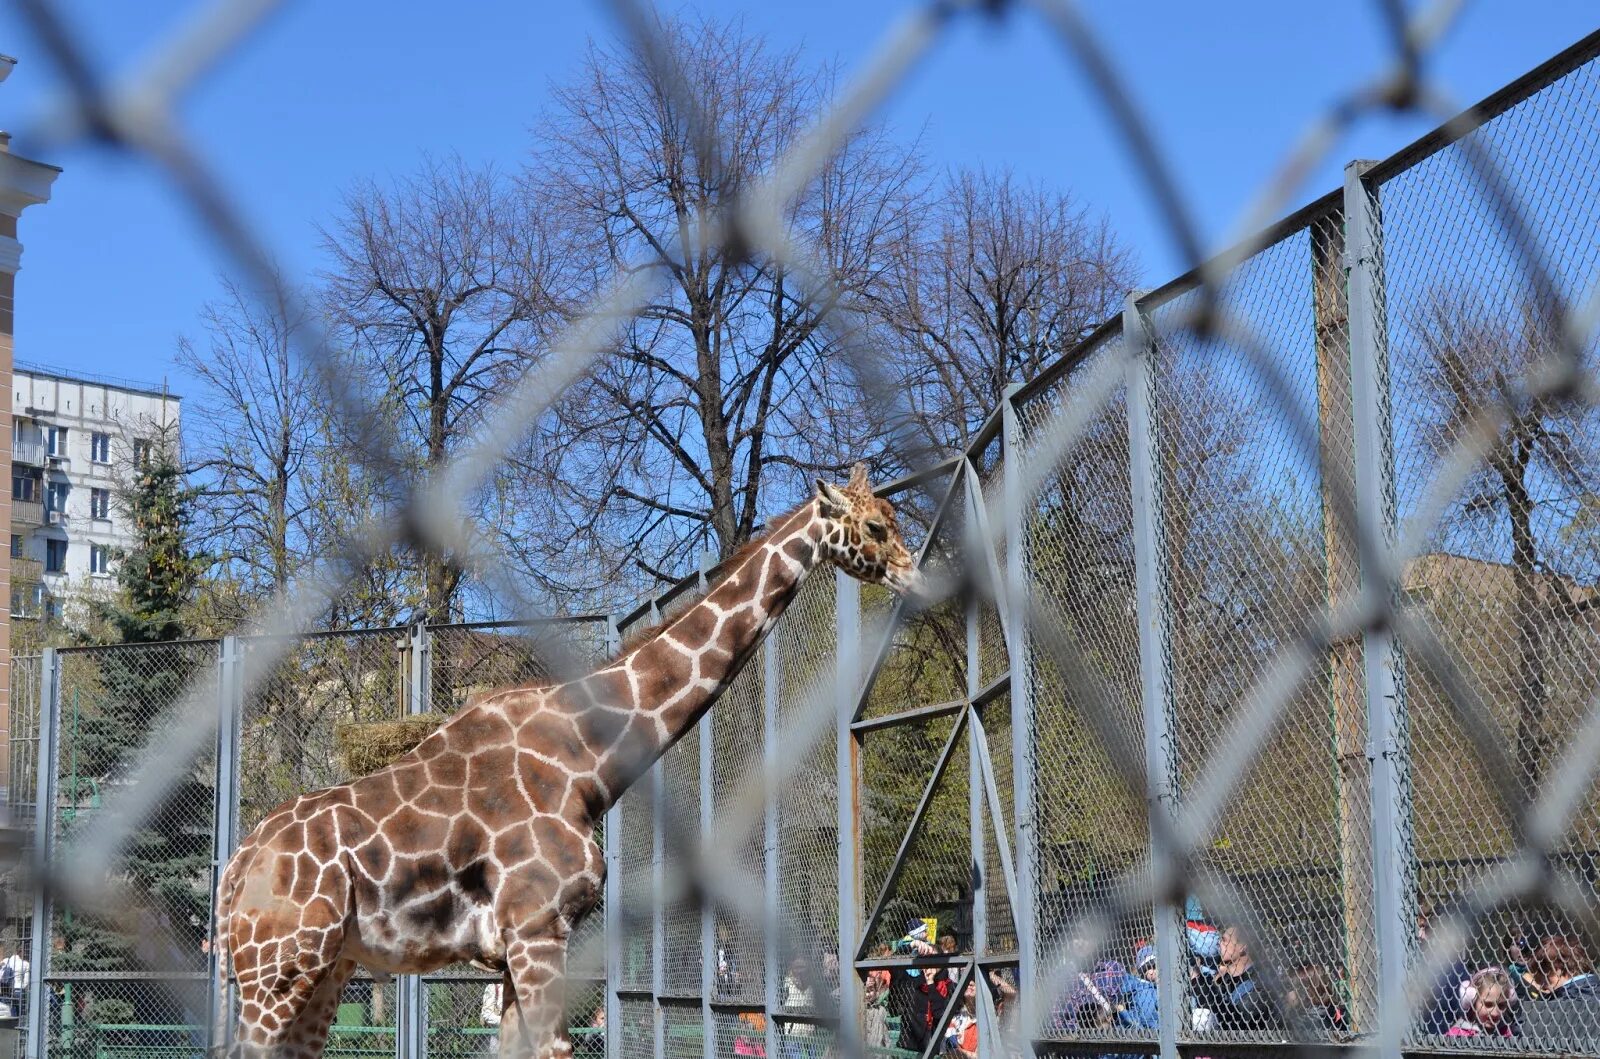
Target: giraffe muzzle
907, 581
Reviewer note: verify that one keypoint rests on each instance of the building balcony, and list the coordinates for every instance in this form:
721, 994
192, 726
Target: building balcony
27, 513
25, 570
28, 451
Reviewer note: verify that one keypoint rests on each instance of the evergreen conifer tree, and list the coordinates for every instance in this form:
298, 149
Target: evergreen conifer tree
127, 694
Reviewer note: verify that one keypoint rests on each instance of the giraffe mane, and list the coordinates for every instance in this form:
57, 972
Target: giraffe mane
720, 573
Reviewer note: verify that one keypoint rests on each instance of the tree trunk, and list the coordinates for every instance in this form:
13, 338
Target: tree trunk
438, 577
1343, 580
1530, 648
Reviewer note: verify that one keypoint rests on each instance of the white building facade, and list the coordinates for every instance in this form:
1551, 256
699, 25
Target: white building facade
74, 445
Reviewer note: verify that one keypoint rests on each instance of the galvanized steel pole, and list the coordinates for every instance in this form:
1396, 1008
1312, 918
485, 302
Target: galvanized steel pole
1150, 585
770, 690
708, 912
613, 896
1392, 855
230, 711
44, 817
1023, 739
658, 926
847, 609
411, 1038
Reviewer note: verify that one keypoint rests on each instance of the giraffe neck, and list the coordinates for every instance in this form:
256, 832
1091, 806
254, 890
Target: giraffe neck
632, 710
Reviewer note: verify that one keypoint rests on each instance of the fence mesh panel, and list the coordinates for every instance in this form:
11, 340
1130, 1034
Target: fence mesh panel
1090, 829
680, 837
1504, 577
138, 975
1245, 575
112, 704
739, 732
292, 719
23, 749
808, 823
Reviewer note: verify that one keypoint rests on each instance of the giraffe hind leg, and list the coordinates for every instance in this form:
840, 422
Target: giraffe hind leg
533, 1022
308, 1037
290, 1022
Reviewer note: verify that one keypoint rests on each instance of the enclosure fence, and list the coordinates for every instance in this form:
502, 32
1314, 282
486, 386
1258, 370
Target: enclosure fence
1266, 607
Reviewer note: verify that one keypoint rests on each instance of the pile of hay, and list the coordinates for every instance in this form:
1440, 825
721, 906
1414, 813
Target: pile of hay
367, 746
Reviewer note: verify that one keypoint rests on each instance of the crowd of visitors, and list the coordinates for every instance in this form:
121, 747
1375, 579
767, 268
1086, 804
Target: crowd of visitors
1547, 986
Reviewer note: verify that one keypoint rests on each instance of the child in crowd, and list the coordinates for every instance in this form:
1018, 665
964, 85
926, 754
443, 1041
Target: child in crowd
1486, 1000
1140, 989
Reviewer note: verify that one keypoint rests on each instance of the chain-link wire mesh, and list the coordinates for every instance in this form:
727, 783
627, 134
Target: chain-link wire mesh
134, 974
808, 817
289, 731
1244, 569
1078, 532
1503, 575
22, 752
1296, 566
740, 736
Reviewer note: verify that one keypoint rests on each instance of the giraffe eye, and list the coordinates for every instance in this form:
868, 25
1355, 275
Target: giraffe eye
878, 530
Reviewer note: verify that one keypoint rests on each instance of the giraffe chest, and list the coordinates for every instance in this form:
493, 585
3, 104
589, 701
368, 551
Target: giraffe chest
396, 941
432, 898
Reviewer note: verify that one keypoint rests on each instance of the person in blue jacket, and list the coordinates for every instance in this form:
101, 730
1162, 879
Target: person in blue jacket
1140, 990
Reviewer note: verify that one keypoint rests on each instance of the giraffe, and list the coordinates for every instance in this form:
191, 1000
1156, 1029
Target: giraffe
478, 844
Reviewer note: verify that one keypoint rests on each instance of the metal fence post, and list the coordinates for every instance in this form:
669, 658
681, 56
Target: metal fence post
977, 881
770, 690
612, 909
44, 816
847, 669
1022, 720
657, 780
420, 699
411, 1030
1392, 863
1159, 749
708, 912
230, 714
977, 871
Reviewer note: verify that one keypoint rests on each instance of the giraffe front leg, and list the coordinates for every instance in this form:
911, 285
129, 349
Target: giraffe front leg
533, 1019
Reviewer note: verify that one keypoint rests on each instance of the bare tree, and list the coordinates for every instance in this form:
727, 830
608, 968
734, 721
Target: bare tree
1000, 278
438, 288
1477, 356
259, 440
726, 392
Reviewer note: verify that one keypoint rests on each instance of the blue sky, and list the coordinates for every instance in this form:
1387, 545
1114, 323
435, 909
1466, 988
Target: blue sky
115, 267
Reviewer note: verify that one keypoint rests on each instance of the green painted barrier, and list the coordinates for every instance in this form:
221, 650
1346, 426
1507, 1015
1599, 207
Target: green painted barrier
347, 1039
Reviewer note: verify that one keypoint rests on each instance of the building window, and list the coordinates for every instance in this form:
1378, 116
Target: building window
55, 557
16, 546
100, 447
141, 452
100, 503
27, 600
24, 486
55, 498
55, 441
99, 559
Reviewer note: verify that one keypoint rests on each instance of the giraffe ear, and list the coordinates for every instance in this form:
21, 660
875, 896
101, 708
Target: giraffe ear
858, 479
834, 503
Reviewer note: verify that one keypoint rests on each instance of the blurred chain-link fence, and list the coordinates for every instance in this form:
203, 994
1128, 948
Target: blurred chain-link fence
1256, 712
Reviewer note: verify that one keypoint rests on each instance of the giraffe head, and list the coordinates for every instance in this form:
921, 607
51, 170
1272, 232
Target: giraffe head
861, 536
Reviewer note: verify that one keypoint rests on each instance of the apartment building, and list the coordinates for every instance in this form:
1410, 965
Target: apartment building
74, 441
